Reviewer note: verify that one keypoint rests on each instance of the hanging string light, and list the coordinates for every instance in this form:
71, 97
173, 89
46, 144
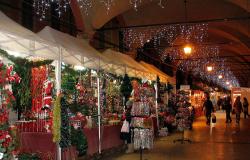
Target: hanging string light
137, 37
108, 4
85, 5
42, 7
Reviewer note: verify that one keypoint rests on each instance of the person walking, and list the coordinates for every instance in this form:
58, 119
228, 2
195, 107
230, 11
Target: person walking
228, 108
219, 103
238, 109
245, 107
208, 107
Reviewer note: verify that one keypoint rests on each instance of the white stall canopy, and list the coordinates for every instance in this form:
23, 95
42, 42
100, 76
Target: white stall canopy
74, 50
20, 41
163, 77
132, 67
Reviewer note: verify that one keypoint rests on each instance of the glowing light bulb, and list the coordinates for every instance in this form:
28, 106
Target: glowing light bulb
209, 68
187, 50
220, 76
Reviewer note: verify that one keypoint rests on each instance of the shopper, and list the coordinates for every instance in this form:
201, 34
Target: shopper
208, 107
127, 136
245, 107
238, 109
228, 108
219, 103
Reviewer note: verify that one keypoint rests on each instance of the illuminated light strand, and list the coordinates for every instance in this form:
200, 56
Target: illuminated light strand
197, 62
42, 7
137, 37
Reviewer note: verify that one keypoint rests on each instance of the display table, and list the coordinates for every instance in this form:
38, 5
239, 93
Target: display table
42, 142
110, 138
35, 142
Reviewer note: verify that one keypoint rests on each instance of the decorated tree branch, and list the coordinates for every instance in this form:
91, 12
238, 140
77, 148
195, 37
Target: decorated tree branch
65, 125
22, 91
79, 140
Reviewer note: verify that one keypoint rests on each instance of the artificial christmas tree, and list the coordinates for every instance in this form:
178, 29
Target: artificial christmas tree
65, 124
126, 88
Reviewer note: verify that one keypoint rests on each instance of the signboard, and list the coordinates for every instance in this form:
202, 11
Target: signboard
185, 87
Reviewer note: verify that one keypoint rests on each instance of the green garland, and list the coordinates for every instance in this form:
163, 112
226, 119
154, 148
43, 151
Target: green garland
22, 91
79, 140
28, 156
126, 88
65, 125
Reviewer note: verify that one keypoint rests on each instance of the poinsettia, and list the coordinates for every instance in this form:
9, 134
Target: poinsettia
7, 76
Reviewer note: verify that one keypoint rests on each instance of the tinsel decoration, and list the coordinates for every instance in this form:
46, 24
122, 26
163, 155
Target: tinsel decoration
126, 88
57, 120
65, 125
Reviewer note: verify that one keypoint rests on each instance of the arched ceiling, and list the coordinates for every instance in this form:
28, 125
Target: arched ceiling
233, 35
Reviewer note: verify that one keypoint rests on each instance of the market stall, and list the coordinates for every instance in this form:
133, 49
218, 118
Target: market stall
58, 46
156, 71
197, 100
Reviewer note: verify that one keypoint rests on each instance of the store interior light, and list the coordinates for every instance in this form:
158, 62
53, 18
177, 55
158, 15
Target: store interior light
220, 76
79, 68
227, 83
187, 50
209, 68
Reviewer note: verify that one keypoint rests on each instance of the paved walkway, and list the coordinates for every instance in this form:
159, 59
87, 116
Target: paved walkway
224, 142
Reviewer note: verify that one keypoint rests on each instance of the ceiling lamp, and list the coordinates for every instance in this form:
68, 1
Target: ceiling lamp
187, 50
227, 82
220, 76
209, 68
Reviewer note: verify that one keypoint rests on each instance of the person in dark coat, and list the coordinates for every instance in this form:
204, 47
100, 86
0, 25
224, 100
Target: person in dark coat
228, 108
208, 107
219, 103
238, 109
245, 107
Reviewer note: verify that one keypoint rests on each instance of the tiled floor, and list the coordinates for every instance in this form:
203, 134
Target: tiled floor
224, 142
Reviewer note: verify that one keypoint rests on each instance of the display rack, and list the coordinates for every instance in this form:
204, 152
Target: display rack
183, 117
142, 126
141, 123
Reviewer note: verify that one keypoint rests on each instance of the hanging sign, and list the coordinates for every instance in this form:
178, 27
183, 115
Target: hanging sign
185, 87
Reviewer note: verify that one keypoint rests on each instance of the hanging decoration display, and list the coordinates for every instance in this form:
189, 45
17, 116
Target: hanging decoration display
22, 91
43, 7
141, 122
38, 75
7, 77
183, 119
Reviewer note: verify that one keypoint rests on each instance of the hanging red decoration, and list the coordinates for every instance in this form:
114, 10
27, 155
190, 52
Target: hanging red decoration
39, 76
